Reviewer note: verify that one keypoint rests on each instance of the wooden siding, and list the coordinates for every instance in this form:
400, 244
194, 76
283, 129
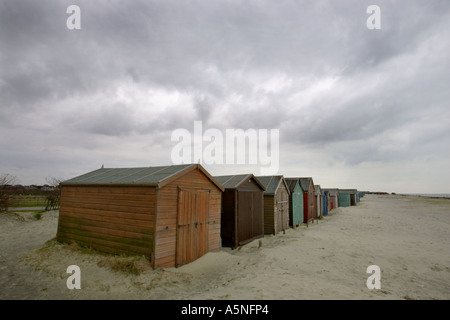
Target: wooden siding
250, 220
296, 206
228, 218
192, 234
269, 206
281, 209
276, 211
167, 212
308, 204
249, 186
344, 199
109, 219
242, 214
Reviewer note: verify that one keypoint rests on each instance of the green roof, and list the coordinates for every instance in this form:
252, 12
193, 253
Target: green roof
154, 176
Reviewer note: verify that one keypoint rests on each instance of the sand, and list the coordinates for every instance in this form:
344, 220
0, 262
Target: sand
407, 237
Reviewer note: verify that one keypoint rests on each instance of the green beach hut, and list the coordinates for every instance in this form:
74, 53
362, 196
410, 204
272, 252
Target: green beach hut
347, 197
295, 201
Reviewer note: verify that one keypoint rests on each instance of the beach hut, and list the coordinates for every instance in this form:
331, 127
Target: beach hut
276, 204
353, 197
318, 199
324, 202
347, 197
307, 185
295, 201
242, 217
332, 198
170, 214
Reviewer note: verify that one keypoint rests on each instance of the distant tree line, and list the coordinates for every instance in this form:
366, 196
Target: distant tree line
9, 189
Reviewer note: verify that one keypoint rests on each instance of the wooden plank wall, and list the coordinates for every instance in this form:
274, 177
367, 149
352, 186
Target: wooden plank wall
228, 218
269, 216
250, 220
312, 204
166, 222
110, 219
282, 208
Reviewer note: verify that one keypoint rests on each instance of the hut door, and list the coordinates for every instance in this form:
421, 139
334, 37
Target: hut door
297, 203
282, 211
311, 205
192, 233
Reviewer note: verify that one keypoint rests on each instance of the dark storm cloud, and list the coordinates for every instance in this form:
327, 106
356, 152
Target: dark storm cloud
310, 68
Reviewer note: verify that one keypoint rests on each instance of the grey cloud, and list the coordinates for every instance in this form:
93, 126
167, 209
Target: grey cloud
216, 51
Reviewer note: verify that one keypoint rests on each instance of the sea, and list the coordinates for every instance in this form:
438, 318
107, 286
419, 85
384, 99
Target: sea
429, 195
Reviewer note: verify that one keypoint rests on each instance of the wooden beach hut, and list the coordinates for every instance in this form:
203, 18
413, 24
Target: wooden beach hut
324, 202
347, 197
242, 218
318, 201
295, 201
353, 197
276, 204
169, 213
332, 198
307, 185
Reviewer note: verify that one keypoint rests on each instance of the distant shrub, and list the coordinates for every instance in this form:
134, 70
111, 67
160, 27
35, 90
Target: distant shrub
6, 183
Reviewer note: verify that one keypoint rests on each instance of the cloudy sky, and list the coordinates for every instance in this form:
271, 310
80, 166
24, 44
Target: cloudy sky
355, 107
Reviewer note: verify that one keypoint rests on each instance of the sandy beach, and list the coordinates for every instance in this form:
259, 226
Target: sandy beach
408, 237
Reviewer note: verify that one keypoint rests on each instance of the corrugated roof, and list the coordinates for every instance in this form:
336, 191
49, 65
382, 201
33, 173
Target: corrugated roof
331, 190
348, 190
304, 182
234, 181
291, 183
317, 188
271, 183
141, 175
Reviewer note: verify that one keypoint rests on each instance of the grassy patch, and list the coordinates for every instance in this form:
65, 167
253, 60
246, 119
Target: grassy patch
126, 264
38, 214
27, 201
133, 265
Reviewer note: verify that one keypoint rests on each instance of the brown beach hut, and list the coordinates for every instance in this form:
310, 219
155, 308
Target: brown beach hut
309, 206
276, 204
169, 213
242, 217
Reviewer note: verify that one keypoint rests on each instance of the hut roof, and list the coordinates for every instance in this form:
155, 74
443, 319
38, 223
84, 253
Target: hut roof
348, 191
292, 182
331, 190
152, 176
234, 181
317, 188
272, 183
304, 182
